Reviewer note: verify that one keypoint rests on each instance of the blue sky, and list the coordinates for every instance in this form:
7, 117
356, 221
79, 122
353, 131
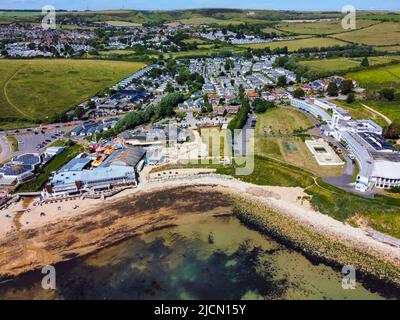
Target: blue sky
307, 5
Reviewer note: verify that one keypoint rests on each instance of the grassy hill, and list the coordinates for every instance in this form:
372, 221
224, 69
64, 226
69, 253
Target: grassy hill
36, 89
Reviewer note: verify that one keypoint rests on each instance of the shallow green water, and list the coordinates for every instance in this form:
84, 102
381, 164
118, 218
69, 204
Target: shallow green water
216, 258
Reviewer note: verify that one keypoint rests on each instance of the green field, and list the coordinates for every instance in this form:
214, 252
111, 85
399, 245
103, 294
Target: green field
118, 23
387, 33
289, 149
281, 120
376, 78
294, 45
358, 112
295, 152
36, 89
343, 64
391, 109
324, 27
388, 48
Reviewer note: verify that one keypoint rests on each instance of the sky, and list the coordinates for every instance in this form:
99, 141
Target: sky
302, 5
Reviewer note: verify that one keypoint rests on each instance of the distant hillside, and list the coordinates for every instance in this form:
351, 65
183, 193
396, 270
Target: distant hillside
144, 17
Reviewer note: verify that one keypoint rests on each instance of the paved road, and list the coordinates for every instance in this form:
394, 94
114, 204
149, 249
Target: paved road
345, 181
5, 150
242, 142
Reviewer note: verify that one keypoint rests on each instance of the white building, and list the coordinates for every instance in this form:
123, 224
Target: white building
379, 162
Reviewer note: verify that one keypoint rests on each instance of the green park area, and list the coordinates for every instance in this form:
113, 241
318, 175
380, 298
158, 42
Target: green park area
36, 89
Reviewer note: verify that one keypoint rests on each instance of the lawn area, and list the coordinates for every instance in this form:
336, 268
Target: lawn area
281, 120
56, 163
295, 152
343, 64
358, 112
386, 33
294, 45
377, 78
13, 142
324, 27
36, 89
288, 149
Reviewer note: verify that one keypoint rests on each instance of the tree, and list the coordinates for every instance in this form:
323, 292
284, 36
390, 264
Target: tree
346, 86
298, 93
261, 105
387, 93
169, 88
79, 112
365, 62
333, 89
392, 131
207, 105
282, 81
351, 97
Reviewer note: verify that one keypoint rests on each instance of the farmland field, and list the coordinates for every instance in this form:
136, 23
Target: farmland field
343, 64
281, 120
316, 28
376, 78
294, 45
387, 33
118, 23
36, 89
208, 20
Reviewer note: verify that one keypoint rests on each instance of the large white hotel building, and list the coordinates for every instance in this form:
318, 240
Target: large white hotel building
379, 162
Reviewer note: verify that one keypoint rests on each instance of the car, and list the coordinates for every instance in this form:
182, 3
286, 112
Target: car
42, 132
29, 130
54, 136
16, 131
36, 132
48, 140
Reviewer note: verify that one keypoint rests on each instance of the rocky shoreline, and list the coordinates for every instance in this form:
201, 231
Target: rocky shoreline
316, 246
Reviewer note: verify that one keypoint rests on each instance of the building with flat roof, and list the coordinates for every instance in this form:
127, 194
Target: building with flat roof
118, 169
308, 106
20, 169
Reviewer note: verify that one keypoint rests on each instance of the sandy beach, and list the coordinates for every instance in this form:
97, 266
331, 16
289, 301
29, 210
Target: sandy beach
35, 235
